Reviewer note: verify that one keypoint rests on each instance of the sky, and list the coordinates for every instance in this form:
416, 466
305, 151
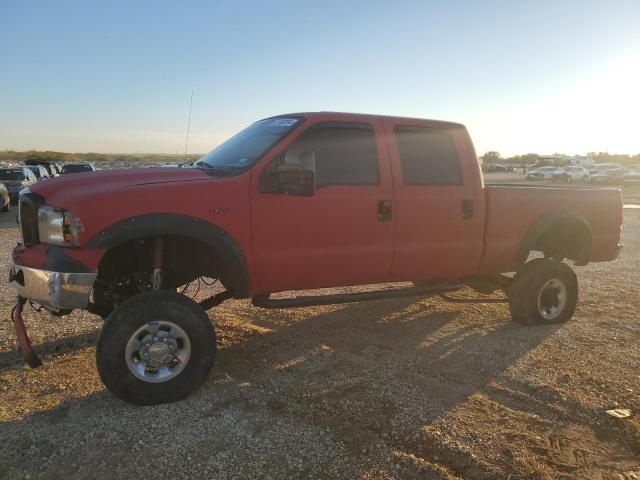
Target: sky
117, 76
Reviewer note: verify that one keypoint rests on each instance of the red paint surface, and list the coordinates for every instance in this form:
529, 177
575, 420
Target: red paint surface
334, 238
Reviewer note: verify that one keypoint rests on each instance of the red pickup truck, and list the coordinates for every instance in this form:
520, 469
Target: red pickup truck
295, 202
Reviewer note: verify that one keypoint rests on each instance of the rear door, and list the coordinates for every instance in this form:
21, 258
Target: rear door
438, 201
336, 236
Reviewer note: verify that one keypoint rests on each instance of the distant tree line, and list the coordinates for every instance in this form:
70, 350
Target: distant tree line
9, 156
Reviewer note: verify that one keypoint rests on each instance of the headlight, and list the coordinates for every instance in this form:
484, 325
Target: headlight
56, 226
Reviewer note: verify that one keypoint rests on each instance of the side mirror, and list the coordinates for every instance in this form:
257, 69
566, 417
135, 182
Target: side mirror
296, 174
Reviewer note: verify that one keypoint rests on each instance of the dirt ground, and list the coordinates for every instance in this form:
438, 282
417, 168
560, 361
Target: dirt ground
414, 388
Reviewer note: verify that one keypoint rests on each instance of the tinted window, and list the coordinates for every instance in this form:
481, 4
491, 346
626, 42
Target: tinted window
428, 156
345, 153
76, 168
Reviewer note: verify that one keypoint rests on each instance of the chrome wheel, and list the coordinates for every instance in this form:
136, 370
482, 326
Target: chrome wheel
158, 351
552, 299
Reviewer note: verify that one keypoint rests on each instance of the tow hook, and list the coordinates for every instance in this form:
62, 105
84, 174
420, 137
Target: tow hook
21, 332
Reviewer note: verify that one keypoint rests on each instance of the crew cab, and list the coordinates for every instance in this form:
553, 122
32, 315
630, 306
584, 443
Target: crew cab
295, 202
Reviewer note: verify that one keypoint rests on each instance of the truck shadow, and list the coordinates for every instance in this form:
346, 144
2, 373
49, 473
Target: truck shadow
13, 358
405, 366
371, 374
9, 220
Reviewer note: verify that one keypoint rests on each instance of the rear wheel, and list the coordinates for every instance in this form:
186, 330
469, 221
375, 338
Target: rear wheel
545, 291
157, 347
6, 207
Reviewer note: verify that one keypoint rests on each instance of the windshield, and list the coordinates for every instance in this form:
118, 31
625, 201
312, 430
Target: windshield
11, 174
245, 147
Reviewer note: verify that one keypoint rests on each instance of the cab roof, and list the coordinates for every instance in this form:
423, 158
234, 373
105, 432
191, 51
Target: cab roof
346, 116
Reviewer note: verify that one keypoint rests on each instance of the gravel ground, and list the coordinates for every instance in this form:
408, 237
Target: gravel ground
413, 388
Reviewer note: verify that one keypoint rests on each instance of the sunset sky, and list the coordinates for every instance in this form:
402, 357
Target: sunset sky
542, 76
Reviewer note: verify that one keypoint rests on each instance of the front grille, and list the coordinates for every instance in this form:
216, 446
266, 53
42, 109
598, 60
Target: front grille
28, 214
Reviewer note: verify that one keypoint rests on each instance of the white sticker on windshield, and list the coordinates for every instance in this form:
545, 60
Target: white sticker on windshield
283, 122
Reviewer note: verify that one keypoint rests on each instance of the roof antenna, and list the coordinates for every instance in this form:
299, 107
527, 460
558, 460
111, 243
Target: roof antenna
186, 144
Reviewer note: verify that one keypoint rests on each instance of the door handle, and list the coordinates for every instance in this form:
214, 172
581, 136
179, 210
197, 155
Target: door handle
467, 209
385, 210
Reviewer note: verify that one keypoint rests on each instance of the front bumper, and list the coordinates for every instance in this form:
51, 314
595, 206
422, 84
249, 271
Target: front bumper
53, 290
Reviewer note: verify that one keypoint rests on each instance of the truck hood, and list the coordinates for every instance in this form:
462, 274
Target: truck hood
72, 188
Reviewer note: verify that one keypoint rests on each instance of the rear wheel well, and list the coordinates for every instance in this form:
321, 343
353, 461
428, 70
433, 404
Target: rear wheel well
559, 238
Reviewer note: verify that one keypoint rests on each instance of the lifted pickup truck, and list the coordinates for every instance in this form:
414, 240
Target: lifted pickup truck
295, 202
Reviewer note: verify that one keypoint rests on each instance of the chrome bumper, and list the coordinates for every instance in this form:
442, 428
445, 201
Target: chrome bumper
53, 290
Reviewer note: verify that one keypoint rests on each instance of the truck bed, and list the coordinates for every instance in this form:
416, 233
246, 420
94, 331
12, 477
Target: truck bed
517, 213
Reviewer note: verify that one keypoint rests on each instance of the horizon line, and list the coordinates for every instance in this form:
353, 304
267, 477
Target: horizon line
5, 151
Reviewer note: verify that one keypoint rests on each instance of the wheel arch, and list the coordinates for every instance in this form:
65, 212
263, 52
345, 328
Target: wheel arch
558, 234
233, 262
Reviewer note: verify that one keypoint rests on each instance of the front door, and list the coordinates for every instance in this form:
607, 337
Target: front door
340, 235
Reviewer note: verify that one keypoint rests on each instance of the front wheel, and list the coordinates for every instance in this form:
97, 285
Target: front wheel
157, 347
545, 291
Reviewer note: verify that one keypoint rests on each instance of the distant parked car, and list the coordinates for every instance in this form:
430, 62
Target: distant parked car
17, 178
77, 168
542, 173
609, 176
536, 166
50, 167
633, 176
570, 174
39, 171
5, 201
495, 167
599, 167
532, 174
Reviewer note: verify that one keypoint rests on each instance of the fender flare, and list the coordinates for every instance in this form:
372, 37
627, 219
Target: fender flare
234, 265
545, 224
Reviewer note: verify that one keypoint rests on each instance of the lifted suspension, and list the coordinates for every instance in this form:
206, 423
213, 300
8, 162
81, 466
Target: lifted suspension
158, 250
